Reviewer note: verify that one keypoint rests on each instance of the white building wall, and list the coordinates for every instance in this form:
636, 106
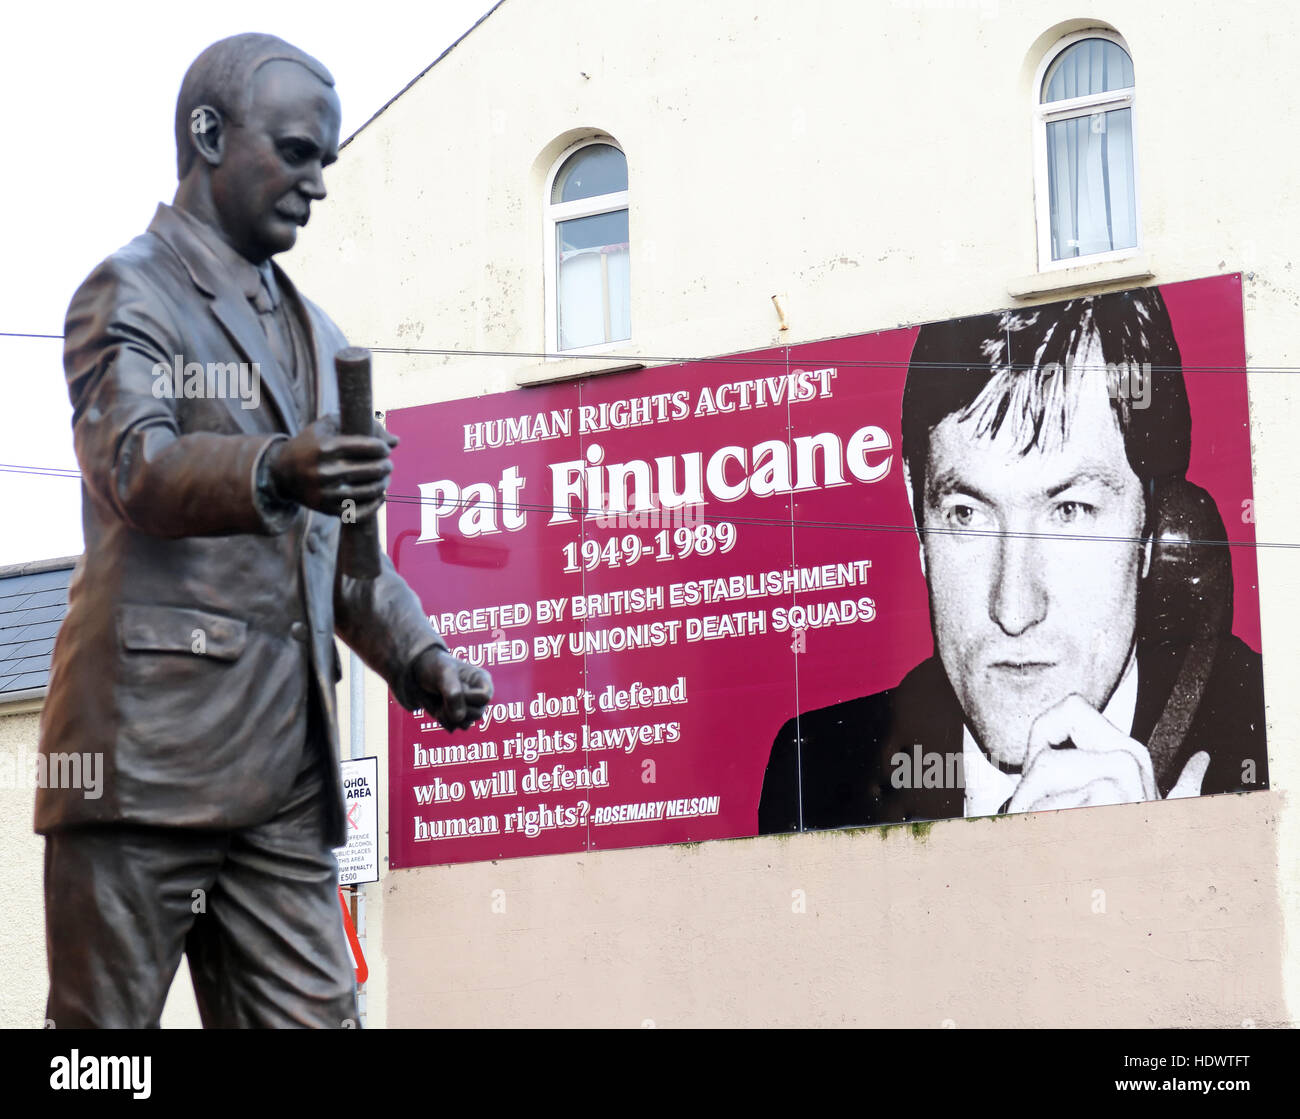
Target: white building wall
873, 164
22, 931
22, 941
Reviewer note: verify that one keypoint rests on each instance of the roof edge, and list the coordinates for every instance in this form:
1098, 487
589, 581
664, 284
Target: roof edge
23, 702
37, 567
384, 107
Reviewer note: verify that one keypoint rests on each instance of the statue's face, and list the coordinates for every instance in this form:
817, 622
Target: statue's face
271, 166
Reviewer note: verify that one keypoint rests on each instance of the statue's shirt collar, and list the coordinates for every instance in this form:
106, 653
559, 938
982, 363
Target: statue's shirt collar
256, 281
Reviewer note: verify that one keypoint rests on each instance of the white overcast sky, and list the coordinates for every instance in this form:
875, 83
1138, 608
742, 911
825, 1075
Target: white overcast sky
87, 96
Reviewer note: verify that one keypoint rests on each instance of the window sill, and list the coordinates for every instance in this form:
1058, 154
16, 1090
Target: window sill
555, 369
1107, 272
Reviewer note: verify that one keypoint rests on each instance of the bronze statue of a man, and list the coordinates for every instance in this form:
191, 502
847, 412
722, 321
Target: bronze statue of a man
198, 650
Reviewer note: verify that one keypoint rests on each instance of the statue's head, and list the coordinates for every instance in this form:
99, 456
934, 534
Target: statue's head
257, 120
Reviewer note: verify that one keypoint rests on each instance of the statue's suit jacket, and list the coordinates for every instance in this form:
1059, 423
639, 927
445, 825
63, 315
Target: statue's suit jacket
201, 617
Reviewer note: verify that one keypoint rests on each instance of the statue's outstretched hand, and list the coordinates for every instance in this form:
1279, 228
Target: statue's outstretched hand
452, 691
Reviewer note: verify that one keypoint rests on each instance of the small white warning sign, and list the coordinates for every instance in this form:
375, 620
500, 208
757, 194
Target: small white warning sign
359, 859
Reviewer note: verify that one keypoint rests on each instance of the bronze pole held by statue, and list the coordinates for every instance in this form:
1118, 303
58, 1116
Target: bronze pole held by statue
359, 542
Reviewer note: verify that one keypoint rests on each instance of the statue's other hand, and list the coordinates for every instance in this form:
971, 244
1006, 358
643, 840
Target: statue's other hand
323, 469
452, 690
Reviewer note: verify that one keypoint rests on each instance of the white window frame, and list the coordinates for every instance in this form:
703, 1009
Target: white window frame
1045, 114
555, 212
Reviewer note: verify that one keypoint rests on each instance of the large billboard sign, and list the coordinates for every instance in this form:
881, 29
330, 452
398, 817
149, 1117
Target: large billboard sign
998, 564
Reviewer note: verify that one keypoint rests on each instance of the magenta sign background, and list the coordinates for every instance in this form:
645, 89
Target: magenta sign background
589, 760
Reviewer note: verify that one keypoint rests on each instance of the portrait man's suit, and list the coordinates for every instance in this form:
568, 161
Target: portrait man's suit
834, 767
198, 650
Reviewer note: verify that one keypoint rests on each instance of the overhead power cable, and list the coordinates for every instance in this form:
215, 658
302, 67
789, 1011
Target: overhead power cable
752, 359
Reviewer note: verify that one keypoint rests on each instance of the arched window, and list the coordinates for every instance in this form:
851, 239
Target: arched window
1086, 185
588, 267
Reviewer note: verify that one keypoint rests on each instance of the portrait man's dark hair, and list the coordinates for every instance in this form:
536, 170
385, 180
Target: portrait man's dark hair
1021, 367
222, 78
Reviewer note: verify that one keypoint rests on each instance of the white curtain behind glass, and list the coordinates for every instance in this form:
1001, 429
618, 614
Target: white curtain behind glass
1090, 177
1089, 66
595, 286
1090, 158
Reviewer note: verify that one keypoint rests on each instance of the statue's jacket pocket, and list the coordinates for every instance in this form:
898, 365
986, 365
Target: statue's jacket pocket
177, 629
209, 717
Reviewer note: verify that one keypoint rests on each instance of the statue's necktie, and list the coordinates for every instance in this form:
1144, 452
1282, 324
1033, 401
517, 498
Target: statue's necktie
273, 323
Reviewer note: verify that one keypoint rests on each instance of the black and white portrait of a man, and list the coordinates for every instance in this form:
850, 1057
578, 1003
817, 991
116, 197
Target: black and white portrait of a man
1080, 590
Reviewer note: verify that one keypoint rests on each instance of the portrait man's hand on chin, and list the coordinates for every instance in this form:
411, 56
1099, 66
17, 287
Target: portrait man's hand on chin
1066, 672
1105, 766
